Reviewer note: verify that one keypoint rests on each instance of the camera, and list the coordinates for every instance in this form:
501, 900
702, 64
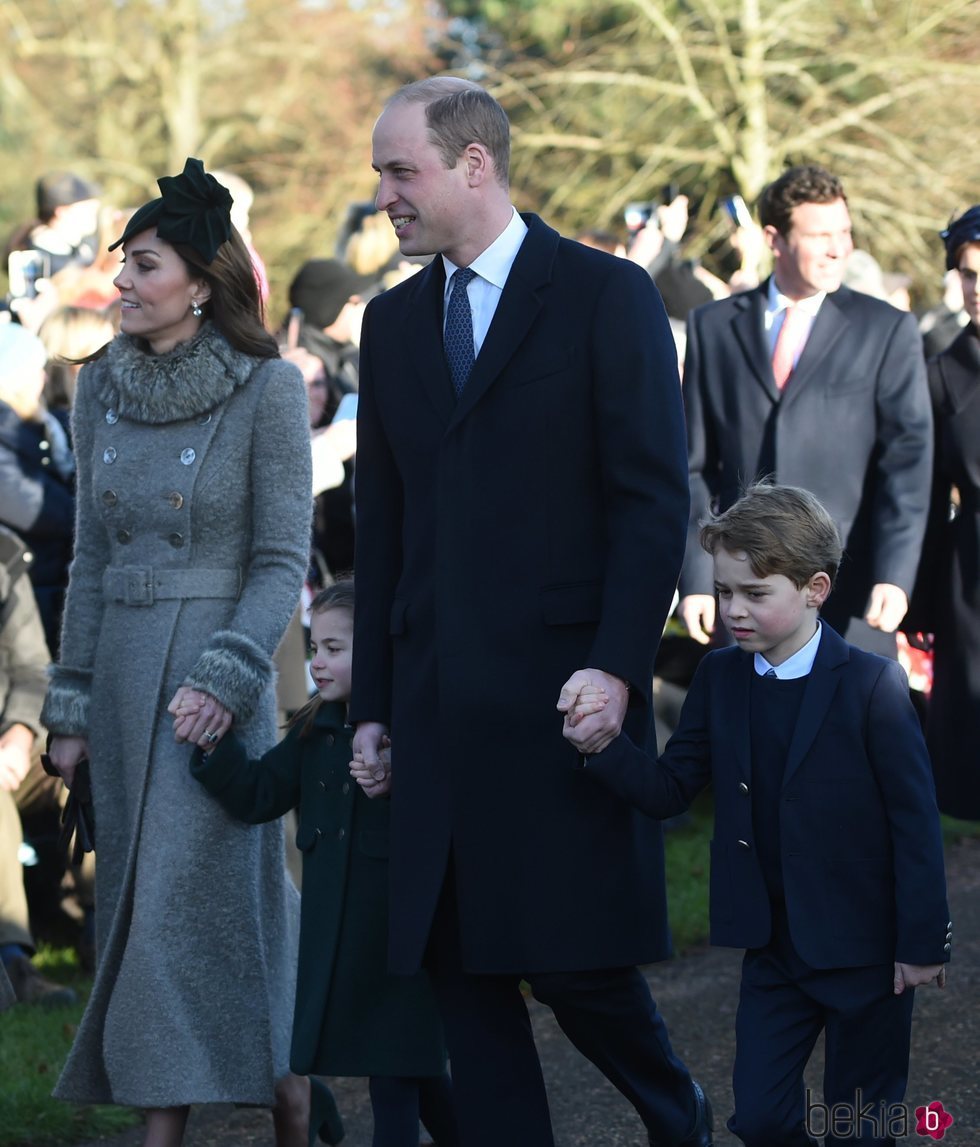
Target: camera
638, 215
24, 268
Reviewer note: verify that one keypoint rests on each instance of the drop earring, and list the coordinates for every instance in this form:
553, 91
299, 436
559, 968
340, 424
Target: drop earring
196, 309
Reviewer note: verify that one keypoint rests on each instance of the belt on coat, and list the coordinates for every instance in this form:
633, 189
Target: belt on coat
142, 585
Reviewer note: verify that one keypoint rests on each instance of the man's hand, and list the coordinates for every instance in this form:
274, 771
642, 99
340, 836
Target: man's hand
369, 744
592, 733
915, 975
65, 754
15, 756
698, 612
886, 608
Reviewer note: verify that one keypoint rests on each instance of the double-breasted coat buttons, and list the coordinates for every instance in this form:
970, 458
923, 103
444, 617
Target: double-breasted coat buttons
111, 417
188, 455
176, 499
109, 455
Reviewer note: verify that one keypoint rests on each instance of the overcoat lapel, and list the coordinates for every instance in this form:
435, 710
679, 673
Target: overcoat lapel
817, 697
828, 328
423, 337
749, 326
519, 305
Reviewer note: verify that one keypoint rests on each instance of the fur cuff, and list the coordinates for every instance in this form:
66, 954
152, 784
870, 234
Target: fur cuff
234, 670
66, 707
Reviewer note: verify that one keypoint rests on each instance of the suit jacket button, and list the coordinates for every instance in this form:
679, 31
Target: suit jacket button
124, 536
176, 540
744, 844
743, 787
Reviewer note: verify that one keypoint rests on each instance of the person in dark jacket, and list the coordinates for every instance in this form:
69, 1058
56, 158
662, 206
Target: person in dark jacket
945, 601
37, 473
352, 1017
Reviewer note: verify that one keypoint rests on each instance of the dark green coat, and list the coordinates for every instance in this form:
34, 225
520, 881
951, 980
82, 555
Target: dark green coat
352, 1017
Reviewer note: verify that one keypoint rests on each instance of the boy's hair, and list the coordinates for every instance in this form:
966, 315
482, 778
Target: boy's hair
782, 530
340, 595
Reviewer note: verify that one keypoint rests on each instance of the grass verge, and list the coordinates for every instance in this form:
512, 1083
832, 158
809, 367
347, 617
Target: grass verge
686, 861
34, 1044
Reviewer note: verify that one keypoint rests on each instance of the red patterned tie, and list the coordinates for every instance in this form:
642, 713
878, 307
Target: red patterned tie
788, 344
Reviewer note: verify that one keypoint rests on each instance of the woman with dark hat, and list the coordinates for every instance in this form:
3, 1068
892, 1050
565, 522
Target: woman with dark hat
192, 531
947, 598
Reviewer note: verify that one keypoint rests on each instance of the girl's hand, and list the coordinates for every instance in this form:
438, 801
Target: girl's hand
375, 780
65, 753
199, 718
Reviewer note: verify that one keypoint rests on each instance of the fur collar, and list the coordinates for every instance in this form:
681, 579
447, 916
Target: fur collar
188, 381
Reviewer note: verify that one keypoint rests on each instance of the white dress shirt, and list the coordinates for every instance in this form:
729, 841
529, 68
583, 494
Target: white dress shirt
776, 306
799, 665
492, 267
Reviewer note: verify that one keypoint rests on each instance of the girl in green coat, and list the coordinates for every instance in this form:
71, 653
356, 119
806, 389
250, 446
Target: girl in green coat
351, 1018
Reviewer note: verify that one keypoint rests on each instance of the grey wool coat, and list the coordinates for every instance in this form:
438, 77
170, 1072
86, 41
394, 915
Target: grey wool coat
193, 520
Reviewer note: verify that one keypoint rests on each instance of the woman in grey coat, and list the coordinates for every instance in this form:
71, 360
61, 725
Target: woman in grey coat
192, 537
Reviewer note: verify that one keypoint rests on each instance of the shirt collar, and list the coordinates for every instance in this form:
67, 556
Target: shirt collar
495, 262
799, 665
778, 302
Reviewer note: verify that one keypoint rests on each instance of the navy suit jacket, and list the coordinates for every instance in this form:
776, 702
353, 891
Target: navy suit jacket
860, 841
532, 527
853, 426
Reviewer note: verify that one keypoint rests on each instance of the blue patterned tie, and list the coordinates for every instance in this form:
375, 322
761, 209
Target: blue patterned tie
459, 330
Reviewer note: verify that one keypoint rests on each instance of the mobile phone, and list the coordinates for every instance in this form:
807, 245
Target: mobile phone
670, 193
24, 268
293, 328
638, 215
737, 211
346, 409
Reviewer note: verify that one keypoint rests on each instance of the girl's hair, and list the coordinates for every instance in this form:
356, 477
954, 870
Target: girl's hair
69, 334
235, 305
340, 595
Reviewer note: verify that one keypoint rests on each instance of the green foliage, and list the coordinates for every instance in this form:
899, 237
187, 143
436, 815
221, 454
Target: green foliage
34, 1043
686, 857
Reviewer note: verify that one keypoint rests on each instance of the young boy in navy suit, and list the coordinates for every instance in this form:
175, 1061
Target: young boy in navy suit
827, 862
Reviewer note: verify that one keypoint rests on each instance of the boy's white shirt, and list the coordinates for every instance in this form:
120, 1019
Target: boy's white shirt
799, 665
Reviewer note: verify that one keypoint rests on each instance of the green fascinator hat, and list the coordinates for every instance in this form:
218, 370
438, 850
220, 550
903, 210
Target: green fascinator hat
193, 209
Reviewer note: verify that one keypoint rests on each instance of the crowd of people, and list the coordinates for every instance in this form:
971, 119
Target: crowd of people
486, 421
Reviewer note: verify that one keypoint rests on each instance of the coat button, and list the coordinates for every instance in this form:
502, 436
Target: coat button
111, 417
109, 497
341, 833
45, 461
743, 787
949, 935
204, 419
109, 455
176, 499
318, 832
346, 788
323, 785
744, 844
329, 738
176, 540
187, 456
949, 925
44, 444
124, 536
947, 947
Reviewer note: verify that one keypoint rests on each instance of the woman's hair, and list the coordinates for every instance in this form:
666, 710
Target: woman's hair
340, 595
70, 335
235, 306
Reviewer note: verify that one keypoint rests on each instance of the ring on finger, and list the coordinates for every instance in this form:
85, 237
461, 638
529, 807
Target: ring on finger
210, 737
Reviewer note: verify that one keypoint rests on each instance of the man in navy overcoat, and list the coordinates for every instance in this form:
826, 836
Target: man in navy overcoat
520, 527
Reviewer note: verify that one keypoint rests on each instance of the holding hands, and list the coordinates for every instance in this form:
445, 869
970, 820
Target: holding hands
199, 718
594, 706
371, 766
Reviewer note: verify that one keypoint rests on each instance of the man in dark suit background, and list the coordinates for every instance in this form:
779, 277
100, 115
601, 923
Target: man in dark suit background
838, 406
521, 509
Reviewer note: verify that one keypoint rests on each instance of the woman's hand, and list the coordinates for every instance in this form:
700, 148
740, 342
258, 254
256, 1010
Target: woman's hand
65, 754
199, 718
